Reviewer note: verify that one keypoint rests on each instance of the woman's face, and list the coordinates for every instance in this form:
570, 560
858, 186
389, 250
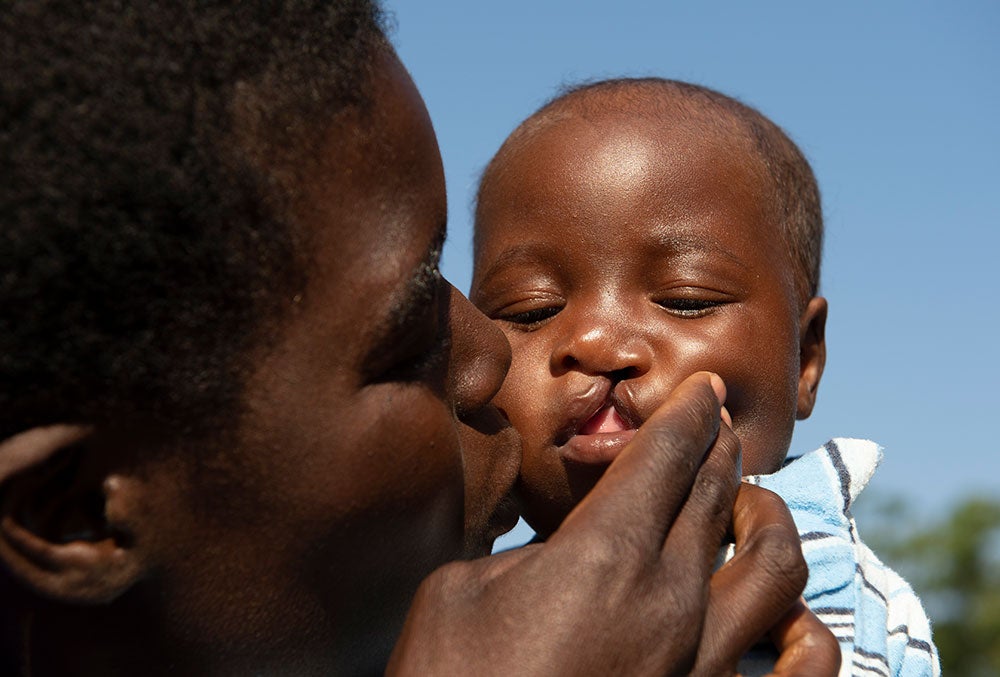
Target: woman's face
347, 485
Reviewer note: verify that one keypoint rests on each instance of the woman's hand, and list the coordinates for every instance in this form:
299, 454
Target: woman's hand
625, 585
756, 594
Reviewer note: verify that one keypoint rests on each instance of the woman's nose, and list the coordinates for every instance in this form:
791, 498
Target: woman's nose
480, 356
602, 342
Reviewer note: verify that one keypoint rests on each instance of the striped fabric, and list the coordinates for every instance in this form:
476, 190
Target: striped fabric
878, 620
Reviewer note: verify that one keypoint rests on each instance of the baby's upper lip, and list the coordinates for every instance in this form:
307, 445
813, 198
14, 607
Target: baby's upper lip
587, 403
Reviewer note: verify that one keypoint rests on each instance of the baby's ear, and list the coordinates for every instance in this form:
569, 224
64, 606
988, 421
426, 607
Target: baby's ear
56, 539
812, 354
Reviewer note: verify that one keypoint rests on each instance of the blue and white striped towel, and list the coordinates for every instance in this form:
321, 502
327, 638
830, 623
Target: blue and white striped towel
875, 615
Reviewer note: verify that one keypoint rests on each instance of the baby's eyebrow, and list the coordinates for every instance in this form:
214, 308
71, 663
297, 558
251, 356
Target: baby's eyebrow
520, 253
674, 244
661, 244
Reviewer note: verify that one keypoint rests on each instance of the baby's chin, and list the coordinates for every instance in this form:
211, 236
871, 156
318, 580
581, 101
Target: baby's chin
547, 501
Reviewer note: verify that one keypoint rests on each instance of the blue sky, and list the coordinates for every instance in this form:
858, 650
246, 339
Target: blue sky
897, 106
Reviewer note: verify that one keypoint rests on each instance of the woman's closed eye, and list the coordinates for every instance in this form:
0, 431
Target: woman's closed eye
416, 338
424, 364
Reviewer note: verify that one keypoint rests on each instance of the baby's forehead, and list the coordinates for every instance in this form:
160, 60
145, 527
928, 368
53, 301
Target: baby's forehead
582, 152
674, 156
684, 128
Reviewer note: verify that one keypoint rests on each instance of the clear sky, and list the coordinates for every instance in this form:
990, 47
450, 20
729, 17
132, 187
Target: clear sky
897, 106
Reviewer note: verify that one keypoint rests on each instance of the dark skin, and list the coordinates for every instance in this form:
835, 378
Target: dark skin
620, 254
615, 591
295, 547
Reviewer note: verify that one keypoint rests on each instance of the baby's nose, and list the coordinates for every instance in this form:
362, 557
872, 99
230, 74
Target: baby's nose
606, 348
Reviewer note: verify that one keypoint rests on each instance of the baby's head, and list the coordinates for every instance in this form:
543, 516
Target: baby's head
628, 234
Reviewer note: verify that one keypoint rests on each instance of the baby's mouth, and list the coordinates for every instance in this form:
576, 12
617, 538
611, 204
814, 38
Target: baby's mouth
605, 420
600, 438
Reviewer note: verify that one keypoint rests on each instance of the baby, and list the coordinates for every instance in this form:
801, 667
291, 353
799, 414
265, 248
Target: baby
632, 232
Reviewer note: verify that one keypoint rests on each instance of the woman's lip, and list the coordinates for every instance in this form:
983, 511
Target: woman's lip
596, 449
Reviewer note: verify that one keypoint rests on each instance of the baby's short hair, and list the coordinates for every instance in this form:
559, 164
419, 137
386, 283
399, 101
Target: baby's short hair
145, 247
794, 185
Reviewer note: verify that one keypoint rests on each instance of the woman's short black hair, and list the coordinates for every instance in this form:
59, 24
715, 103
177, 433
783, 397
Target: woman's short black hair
145, 250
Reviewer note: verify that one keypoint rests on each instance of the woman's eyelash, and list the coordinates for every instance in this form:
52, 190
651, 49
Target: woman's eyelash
431, 359
420, 362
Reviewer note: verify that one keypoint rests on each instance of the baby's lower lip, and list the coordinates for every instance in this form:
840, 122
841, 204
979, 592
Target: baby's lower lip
596, 449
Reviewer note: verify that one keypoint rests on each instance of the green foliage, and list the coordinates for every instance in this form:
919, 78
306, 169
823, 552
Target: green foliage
954, 565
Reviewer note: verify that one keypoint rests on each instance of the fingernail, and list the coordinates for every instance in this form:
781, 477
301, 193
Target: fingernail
726, 417
719, 386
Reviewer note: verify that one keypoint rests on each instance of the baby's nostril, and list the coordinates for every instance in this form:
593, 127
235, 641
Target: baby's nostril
569, 362
623, 374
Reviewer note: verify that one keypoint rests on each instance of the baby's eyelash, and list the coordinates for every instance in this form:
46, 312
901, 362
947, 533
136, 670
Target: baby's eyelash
530, 319
688, 307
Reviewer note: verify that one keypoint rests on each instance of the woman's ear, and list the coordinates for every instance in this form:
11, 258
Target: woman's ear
812, 354
56, 493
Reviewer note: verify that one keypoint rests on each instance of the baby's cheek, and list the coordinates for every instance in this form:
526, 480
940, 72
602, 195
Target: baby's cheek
522, 396
764, 439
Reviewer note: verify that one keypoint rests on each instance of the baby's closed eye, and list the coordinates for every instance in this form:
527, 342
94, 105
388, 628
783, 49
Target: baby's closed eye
527, 318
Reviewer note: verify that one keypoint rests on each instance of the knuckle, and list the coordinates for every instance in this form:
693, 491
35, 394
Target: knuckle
446, 580
683, 587
714, 492
717, 481
615, 564
689, 605
603, 553
783, 554
830, 650
728, 443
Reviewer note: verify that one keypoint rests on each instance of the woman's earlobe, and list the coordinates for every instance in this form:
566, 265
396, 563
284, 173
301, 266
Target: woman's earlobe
812, 354
55, 540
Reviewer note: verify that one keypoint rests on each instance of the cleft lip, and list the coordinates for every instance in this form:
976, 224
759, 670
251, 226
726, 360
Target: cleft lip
582, 407
587, 404
600, 423
624, 401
